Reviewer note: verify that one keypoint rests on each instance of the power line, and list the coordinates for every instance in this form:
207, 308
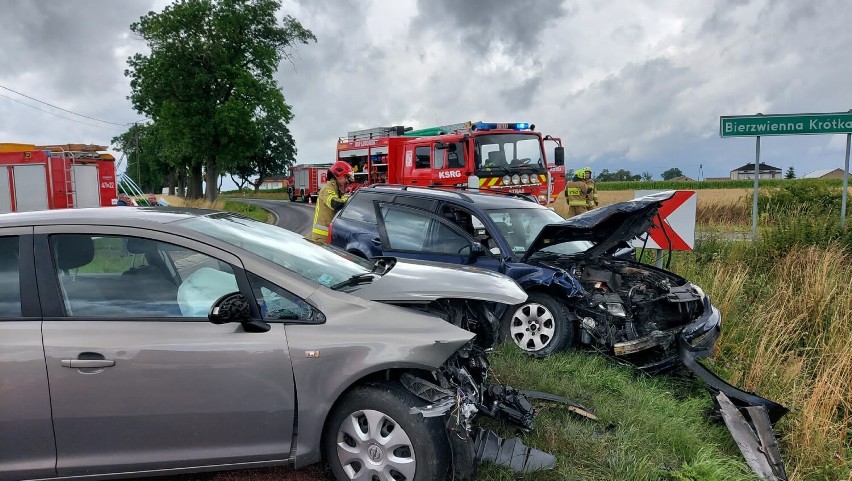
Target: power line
60, 108
61, 116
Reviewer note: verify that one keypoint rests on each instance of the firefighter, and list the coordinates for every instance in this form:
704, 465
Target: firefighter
331, 198
576, 193
592, 194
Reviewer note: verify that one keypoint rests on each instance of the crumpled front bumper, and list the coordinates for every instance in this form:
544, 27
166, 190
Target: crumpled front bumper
700, 334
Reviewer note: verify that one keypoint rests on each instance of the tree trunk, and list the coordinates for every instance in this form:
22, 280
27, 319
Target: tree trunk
171, 182
196, 182
211, 178
181, 181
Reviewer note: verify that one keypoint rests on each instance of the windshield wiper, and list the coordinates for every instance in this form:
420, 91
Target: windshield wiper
363, 278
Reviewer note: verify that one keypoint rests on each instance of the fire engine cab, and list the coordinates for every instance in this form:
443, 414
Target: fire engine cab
507, 157
55, 177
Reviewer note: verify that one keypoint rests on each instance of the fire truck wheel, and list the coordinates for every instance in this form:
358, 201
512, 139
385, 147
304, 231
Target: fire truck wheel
291, 195
540, 326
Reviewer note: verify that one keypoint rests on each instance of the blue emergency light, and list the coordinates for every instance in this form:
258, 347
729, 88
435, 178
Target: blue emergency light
501, 126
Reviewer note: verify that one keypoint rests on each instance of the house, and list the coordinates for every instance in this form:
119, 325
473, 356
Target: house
682, 178
825, 174
747, 172
275, 182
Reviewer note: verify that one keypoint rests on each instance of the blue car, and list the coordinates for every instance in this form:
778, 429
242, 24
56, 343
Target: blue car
582, 287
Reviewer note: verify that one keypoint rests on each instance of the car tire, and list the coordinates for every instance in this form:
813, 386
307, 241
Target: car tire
291, 195
540, 326
374, 417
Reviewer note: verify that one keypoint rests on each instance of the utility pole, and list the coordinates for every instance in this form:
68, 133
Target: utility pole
138, 165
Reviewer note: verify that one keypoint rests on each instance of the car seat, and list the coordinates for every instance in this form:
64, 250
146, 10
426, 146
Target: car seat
152, 282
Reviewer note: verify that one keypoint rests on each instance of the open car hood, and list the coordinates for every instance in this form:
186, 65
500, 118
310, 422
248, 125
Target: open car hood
605, 226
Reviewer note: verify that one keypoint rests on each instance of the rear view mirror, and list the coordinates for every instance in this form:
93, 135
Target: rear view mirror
477, 249
559, 156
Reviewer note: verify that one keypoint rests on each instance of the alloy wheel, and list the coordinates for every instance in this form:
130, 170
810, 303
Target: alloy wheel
532, 327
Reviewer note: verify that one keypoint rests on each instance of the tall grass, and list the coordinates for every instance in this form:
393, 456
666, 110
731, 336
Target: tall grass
224, 204
787, 335
700, 185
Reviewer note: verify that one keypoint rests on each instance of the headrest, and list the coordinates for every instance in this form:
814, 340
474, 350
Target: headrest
136, 245
73, 251
496, 157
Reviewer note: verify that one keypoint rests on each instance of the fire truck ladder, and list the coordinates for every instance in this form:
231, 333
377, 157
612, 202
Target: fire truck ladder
378, 132
70, 179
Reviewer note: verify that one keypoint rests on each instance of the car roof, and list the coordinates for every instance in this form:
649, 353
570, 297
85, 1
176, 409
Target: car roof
140, 217
482, 200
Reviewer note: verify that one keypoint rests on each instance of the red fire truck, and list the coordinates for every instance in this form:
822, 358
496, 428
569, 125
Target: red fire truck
55, 177
306, 181
507, 157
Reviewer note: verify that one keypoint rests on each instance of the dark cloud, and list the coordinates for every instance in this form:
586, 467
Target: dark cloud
482, 24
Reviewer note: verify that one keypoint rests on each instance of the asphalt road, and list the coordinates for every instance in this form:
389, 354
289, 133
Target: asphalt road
294, 216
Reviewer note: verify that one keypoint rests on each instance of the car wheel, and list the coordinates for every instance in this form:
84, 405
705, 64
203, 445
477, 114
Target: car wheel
540, 326
371, 435
292, 196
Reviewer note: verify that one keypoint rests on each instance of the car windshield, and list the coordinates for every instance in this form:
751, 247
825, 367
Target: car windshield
521, 226
509, 153
318, 263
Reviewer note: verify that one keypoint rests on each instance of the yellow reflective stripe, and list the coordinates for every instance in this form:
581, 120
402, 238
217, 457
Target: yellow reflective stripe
576, 203
493, 181
573, 191
482, 181
542, 178
320, 227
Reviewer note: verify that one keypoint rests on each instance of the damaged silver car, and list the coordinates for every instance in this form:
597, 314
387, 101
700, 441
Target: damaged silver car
140, 342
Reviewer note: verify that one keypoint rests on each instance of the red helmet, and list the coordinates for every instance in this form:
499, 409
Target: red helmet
341, 168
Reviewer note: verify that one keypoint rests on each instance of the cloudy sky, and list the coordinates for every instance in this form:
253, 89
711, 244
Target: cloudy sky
627, 84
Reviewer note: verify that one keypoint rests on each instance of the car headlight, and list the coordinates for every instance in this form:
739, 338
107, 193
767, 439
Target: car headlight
507, 180
616, 309
516, 179
525, 179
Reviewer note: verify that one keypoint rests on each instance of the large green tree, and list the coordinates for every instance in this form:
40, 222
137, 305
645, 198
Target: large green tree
619, 176
274, 154
208, 81
146, 163
672, 173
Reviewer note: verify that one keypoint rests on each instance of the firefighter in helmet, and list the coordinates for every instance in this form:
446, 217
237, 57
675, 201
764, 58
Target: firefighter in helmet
592, 194
576, 193
331, 198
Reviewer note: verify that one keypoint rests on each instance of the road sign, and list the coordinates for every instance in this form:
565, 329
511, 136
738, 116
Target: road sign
785, 124
678, 222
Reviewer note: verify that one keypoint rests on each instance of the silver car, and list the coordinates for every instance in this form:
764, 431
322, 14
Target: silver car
138, 342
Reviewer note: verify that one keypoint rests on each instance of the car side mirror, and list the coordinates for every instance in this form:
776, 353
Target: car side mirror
234, 307
477, 250
559, 156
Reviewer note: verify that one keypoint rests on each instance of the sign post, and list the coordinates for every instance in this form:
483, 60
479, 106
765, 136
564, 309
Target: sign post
788, 124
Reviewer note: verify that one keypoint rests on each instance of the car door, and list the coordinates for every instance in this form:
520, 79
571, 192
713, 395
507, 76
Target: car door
139, 379
26, 430
413, 233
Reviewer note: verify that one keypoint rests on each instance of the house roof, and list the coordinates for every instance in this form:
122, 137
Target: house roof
750, 168
821, 173
275, 178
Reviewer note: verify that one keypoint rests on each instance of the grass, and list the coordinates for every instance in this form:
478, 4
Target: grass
649, 428
248, 210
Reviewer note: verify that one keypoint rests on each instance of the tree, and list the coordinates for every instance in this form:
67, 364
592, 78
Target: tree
620, 176
208, 79
275, 152
791, 173
146, 163
646, 176
672, 173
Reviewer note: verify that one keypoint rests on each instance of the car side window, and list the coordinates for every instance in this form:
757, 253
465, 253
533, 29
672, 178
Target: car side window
119, 276
360, 207
10, 279
277, 304
420, 231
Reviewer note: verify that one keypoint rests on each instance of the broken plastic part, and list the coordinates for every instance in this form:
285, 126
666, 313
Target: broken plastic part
690, 355
574, 407
511, 453
755, 439
434, 410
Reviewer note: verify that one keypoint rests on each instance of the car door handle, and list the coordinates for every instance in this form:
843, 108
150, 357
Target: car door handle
86, 363
376, 241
